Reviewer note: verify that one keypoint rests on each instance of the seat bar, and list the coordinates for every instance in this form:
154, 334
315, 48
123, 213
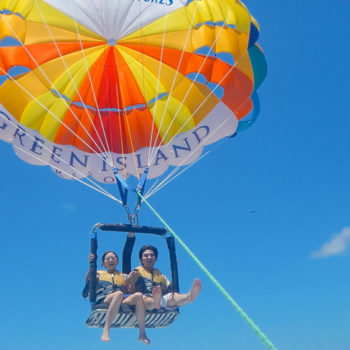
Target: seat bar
160, 231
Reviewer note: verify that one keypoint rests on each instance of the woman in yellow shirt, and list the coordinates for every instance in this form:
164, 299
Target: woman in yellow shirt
110, 289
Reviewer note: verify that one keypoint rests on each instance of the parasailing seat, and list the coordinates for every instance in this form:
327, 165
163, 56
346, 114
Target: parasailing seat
126, 317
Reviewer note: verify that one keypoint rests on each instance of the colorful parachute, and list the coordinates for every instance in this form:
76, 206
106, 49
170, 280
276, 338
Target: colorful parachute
90, 86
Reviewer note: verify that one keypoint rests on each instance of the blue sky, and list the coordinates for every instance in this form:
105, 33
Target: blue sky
286, 263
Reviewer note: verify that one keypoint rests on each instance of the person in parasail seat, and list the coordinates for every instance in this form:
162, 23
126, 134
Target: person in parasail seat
155, 286
110, 289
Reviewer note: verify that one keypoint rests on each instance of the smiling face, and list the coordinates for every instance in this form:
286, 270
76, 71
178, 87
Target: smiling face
148, 259
110, 261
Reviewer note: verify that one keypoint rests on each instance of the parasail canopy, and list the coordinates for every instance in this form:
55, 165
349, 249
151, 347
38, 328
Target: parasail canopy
89, 86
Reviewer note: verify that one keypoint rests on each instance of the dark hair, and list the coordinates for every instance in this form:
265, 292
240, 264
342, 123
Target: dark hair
148, 247
109, 251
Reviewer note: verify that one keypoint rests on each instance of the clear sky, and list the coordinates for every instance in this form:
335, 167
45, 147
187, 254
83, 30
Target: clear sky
266, 212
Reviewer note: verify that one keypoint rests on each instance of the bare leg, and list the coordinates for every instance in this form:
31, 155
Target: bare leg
183, 299
137, 300
114, 300
149, 304
195, 289
156, 293
153, 302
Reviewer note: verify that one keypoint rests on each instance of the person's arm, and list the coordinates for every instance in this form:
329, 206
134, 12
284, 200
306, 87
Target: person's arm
86, 289
128, 247
130, 281
87, 277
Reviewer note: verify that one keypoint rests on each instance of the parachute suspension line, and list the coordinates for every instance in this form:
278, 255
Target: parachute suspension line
164, 182
48, 111
207, 97
94, 95
150, 190
184, 98
123, 119
132, 145
192, 83
169, 177
120, 120
190, 88
96, 186
157, 88
51, 83
173, 84
122, 137
111, 121
217, 284
121, 133
133, 149
73, 82
141, 39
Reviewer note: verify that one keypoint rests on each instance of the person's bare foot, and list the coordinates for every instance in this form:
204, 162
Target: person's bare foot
105, 337
156, 294
143, 338
195, 289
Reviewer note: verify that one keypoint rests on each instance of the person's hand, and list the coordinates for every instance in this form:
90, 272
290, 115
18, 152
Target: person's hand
91, 257
130, 281
133, 276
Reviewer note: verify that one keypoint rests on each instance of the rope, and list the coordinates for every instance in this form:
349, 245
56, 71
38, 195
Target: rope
217, 284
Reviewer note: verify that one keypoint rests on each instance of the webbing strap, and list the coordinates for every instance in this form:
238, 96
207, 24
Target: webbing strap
122, 186
217, 284
123, 191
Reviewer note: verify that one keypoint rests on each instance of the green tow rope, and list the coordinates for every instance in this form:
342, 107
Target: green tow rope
251, 323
